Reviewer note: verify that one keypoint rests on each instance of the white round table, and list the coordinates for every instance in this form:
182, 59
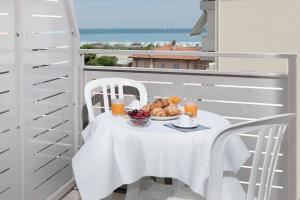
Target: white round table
115, 153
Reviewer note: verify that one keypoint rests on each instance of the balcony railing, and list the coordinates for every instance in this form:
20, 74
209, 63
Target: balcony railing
39, 94
237, 96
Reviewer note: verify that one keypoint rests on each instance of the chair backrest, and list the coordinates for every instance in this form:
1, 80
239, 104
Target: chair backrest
108, 87
270, 134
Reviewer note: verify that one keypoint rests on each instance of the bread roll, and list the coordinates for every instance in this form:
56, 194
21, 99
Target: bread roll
172, 111
158, 112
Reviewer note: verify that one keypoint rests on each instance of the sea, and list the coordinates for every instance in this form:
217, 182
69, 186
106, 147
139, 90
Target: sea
139, 35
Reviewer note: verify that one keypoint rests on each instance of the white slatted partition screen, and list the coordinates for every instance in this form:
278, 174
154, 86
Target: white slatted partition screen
237, 97
38, 51
8, 119
48, 97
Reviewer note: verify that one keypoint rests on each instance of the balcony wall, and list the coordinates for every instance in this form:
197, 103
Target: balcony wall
259, 26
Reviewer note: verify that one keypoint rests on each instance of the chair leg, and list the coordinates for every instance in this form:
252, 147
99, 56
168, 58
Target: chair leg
133, 191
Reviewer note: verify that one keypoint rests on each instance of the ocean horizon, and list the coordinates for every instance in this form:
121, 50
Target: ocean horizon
140, 35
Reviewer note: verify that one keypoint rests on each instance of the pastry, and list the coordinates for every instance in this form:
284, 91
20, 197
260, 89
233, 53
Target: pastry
158, 112
165, 103
159, 103
172, 111
146, 108
163, 107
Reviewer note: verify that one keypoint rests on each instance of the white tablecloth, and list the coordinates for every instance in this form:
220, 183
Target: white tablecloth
114, 153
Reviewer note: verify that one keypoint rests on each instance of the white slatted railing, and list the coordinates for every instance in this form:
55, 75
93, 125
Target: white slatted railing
8, 101
49, 99
236, 96
38, 51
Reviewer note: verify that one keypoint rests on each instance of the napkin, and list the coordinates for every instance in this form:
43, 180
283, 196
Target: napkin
186, 130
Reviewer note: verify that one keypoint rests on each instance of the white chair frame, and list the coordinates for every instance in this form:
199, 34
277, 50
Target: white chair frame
111, 83
270, 128
104, 84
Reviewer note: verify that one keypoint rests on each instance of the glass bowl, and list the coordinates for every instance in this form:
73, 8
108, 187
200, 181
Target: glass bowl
139, 122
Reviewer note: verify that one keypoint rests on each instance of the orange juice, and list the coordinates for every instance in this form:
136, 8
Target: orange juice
118, 107
191, 109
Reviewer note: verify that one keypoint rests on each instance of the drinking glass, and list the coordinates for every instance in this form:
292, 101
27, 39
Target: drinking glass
191, 108
118, 107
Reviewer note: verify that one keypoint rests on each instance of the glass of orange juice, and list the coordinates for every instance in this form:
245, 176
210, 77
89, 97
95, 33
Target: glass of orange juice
191, 108
118, 107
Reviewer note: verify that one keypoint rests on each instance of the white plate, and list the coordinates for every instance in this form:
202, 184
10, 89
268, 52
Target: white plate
164, 118
193, 125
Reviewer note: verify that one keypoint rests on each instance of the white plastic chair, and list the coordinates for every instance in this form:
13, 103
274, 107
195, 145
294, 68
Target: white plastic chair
111, 83
103, 85
270, 132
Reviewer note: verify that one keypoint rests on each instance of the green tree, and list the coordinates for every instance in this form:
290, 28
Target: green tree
150, 46
89, 57
87, 46
103, 61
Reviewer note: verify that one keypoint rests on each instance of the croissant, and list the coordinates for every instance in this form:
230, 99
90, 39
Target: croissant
172, 111
165, 103
159, 103
170, 101
158, 112
146, 108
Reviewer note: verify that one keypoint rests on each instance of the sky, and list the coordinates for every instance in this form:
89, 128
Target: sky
137, 13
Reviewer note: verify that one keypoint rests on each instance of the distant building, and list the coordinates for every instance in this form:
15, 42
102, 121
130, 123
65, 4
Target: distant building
170, 61
206, 23
136, 45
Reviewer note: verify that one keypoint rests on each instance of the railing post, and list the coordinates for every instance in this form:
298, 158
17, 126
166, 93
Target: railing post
81, 100
75, 37
19, 63
293, 129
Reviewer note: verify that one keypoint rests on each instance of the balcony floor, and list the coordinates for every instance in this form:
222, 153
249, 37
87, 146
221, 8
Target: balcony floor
74, 195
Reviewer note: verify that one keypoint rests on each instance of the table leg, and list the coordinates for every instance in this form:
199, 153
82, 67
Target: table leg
133, 191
